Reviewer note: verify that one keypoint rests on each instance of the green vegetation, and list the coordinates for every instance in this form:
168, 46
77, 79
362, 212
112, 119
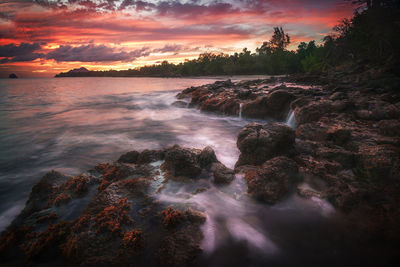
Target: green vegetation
370, 38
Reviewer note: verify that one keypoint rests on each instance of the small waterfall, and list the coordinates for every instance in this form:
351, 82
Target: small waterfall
291, 120
240, 110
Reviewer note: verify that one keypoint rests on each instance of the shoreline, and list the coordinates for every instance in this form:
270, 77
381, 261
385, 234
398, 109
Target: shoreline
344, 149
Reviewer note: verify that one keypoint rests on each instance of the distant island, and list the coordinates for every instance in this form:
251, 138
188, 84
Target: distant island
13, 76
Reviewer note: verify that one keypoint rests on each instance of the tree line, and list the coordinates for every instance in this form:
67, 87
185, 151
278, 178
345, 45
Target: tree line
370, 38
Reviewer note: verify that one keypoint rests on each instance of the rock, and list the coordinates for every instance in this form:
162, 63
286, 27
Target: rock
180, 104
172, 217
313, 111
186, 93
42, 193
207, 157
299, 102
315, 131
306, 147
148, 156
245, 94
279, 104
346, 158
260, 142
182, 162
118, 225
363, 114
272, 180
222, 103
378, 163
338, 96
129, 157
222, 174
13, 76
219, 84
377, 110
276, 105
230, 107
338, 135
389, 127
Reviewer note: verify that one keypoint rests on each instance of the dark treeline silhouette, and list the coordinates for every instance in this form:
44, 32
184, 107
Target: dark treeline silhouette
369, 38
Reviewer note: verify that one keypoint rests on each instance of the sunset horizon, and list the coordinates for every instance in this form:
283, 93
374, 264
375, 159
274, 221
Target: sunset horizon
43, 38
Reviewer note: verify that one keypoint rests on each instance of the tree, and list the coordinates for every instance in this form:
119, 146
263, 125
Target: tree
279, 41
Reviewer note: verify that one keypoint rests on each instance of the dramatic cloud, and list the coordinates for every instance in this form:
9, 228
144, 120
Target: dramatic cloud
169, 48
131, 33
93, 53
19, 53
12, 50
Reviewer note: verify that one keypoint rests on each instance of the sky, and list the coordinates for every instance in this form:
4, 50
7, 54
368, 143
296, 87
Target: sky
39, 38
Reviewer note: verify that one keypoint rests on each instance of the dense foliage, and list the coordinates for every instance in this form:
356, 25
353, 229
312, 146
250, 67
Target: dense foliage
370, 37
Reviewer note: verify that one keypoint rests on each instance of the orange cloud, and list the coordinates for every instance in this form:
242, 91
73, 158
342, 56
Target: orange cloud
132, 33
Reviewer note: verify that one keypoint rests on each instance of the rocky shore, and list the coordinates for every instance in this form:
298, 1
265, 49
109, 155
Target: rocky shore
343, 146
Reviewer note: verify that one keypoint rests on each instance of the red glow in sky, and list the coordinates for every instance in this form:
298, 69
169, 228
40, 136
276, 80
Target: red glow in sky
44, 37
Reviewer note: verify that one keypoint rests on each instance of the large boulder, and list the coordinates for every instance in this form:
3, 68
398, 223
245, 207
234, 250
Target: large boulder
260, 142
206, 157
129, 157
272, 180
222, 174
275, 105
182, 162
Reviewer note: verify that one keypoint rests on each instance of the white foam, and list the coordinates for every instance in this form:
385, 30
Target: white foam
7, 216
291, 120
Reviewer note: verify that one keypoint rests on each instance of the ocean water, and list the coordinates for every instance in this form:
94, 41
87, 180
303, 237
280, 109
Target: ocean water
72, 124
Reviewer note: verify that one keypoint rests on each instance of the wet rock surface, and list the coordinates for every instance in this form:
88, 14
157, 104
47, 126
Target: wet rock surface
119, 220
347, 136
272, 180
261, 99
260, 142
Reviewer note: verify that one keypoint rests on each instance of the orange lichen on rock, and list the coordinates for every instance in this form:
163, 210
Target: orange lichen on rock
116, 173
70, 247
81, 223
61, 199
51, 238
103, 167
111, 217
73, 246
77, 184
112, 173
133, 240
134, 184
104, 184
172, 217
